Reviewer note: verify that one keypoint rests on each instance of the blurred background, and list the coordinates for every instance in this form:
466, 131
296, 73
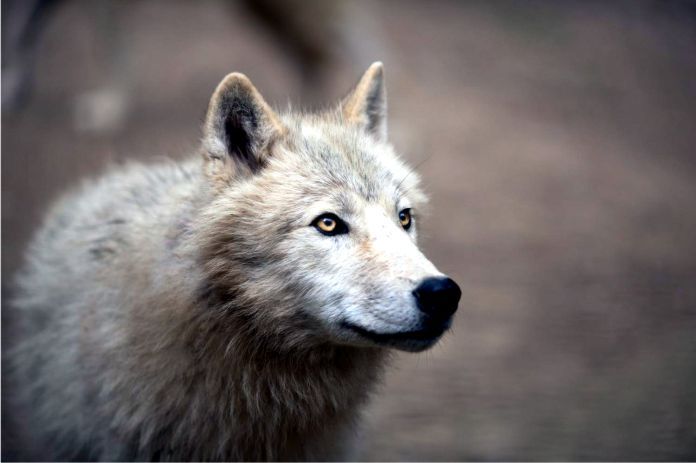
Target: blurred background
557, 140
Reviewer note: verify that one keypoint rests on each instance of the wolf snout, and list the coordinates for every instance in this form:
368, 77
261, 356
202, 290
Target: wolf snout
438, 297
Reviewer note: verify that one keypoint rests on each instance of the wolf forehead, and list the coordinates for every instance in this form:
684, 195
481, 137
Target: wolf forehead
324, 156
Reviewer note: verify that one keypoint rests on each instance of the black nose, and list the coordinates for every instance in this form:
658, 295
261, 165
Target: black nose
438, 297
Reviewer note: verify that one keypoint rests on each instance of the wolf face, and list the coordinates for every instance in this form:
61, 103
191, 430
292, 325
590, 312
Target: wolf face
318, 212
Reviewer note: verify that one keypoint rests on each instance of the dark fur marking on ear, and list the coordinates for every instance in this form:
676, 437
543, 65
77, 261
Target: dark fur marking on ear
240, 123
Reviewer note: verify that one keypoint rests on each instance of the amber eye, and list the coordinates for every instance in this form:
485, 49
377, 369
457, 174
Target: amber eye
329, 224
405, 218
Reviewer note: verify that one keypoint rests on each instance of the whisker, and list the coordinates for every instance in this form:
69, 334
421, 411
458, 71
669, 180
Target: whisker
411, 170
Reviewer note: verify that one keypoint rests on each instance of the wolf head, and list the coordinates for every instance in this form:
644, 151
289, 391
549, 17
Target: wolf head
311, 232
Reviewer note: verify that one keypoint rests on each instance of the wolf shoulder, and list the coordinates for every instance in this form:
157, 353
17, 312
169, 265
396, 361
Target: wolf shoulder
124, 205
121, 228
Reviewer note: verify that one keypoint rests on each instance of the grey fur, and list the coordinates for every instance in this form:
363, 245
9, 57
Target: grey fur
176, 311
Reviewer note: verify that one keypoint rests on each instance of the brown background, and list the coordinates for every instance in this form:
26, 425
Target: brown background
556, 140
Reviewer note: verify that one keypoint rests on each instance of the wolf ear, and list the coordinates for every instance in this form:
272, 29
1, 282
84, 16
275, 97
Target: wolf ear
366, 105
239, 129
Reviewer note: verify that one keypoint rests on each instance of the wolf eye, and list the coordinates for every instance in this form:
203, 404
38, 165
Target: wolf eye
330, 225
405, 218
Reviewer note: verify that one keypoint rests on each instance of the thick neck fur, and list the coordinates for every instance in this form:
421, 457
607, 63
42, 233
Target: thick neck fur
276, 404
289, 398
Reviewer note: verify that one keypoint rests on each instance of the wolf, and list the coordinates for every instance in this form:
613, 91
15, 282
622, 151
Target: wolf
238, 305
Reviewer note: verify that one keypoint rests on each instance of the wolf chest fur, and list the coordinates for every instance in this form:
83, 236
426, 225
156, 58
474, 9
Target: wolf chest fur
238, 305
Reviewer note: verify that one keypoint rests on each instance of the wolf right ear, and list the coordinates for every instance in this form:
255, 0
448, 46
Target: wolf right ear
239, 130
366, 105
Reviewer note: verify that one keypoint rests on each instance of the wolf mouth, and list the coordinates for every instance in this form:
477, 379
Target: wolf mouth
427, 334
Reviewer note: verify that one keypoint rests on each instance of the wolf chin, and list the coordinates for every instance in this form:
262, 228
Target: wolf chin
236, 306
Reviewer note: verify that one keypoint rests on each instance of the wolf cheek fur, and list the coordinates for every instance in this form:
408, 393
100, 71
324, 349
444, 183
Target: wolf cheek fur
233, 306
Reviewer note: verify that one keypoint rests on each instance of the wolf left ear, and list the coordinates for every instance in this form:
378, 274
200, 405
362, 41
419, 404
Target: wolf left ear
239, 129
366, 105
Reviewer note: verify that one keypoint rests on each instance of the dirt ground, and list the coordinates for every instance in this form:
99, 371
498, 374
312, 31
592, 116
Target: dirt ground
557, 142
